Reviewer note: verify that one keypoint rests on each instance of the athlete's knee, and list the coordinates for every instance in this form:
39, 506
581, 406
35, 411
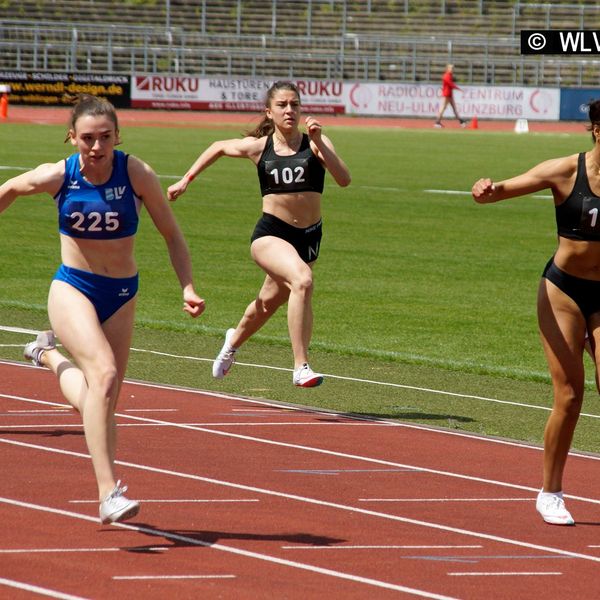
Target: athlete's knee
104, 380
269, 303
568, 402
303, 282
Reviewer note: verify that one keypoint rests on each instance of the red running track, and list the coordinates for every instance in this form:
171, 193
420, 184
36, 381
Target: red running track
245, 121
253, 499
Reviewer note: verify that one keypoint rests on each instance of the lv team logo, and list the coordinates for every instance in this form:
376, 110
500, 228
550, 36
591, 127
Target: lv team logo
115, 193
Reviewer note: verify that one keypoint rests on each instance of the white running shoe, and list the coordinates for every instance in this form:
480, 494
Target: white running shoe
552, 508
34, 350
116, 508
304, 376
225, 358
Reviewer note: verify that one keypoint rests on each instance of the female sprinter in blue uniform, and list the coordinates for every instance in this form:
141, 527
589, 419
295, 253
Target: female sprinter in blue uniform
285, 243
568, 297
99, 192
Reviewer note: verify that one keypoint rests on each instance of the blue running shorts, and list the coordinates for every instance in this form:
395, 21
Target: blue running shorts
107, 294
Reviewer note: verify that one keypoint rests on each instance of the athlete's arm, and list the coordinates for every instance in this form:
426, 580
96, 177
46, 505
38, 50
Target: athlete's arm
147, 187
555, 174
327, 154
45, 178
248, 147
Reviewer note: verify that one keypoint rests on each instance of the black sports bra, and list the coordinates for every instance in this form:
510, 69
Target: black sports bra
578, 217
300, 172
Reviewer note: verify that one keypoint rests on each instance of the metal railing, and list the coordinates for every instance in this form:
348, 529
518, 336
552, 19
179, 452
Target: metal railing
120, 48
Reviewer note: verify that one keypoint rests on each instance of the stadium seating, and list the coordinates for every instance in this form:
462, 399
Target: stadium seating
405, 40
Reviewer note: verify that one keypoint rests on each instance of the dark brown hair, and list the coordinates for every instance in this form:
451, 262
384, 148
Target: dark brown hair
86, 104
594, 115
266, 127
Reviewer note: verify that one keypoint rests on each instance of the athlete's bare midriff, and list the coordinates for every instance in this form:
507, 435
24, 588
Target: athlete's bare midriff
110, 258
300, 209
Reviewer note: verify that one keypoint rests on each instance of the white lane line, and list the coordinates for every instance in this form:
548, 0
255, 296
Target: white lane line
340, 377
342, 471
232, 550
55, 550
364, 459
41, 411
449, 192
257, 410
18, 330
318, 502
209, 424
428, 547
468, 193
446, 499
178, 501
331, 452
144, 410
38, 590
504, 573
164, 577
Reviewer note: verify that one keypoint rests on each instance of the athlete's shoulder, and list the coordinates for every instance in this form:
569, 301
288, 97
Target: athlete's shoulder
49, 172
563, 166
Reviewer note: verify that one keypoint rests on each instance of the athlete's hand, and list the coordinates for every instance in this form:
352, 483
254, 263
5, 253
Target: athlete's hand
192, 303
175, 190
483, 190
313, 128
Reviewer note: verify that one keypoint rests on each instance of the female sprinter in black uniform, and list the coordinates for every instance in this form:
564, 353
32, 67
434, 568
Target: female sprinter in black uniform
568, 296
291, 169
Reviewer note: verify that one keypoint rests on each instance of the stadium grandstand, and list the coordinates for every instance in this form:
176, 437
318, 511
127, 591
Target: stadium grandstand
363, 40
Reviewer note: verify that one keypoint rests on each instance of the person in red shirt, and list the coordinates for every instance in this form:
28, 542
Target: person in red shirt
448, 86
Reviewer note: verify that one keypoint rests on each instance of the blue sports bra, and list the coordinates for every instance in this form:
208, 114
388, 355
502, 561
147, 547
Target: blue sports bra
98, 212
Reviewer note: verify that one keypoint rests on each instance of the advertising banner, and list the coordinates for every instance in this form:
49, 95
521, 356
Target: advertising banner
574, 103
227, 94
423, 100
32, 88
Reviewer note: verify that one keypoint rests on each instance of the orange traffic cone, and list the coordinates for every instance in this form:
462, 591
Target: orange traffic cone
474, 124
4, 106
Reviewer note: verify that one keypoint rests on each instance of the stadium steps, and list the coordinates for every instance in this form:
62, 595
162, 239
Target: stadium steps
399, 40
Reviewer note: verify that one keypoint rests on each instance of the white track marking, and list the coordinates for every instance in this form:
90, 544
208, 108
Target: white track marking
446, 500
313, 501
507, 573
428, 547
19, 330
327, 375
164, 577
324, 451
468, 193
177, 501
55, 550
38, 590
232, 550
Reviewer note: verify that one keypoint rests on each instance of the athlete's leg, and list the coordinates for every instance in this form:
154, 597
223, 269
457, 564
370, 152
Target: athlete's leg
93, 385
286, 270
562, 329
270, 297
592, 345
118, 330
